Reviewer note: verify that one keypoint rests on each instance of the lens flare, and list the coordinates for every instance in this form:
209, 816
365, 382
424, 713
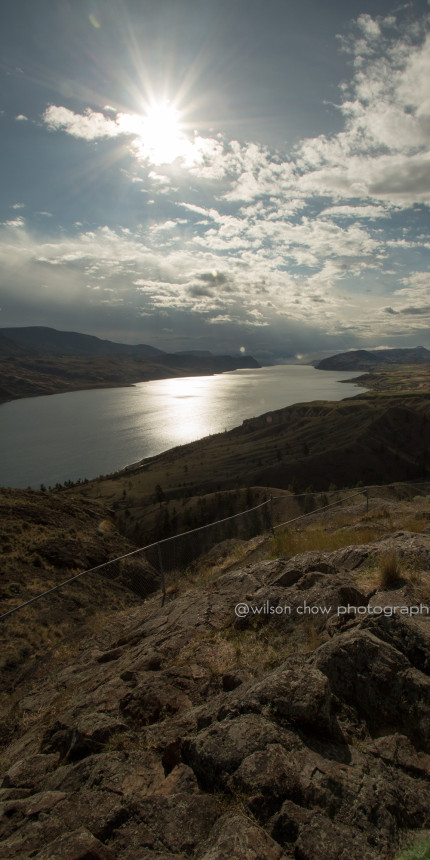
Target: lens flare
94, 21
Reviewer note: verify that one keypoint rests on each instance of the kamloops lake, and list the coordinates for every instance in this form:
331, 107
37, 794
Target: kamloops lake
83, 434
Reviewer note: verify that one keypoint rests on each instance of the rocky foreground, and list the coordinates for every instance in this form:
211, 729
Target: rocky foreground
186, 731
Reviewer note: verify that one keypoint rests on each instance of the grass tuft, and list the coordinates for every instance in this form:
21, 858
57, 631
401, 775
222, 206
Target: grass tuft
390, 570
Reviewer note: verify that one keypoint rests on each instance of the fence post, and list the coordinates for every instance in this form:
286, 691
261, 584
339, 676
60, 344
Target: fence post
271, 516
163, 581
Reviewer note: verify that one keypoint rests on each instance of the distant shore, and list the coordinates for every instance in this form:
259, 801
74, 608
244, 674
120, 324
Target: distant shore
41, 376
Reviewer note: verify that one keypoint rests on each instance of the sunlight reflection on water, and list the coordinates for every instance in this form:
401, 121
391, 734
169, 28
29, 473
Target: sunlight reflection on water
88, 433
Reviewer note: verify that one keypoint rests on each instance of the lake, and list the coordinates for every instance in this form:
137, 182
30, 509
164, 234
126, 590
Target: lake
83, 434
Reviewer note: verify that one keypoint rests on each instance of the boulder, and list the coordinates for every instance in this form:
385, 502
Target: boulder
77, 845
237, 838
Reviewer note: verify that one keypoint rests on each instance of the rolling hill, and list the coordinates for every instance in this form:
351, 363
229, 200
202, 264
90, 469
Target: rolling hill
36, 360
362, 359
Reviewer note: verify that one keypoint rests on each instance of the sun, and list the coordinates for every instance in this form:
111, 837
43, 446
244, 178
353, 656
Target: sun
162, 137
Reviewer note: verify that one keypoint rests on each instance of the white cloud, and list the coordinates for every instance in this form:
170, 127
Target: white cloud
369, 26
345, 211
164, 225
14, 222
200, 155
91, 125
295, 236
159, 178
383, 152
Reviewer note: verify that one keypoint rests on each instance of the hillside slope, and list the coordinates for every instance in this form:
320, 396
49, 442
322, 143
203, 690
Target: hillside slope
41, 339
45, 540
321, 444
363, 359
274, 735
35, 361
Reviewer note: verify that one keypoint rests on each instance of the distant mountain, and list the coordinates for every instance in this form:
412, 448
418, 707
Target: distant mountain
42, 340
36, 360
362, 359
203, 352
8, 347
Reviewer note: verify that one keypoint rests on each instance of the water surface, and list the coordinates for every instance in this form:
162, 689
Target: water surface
83, 434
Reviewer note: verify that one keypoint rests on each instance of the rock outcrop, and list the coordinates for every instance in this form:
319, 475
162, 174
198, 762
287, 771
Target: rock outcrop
188, 730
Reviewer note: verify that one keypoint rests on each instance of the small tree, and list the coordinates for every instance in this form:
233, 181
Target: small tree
159, 495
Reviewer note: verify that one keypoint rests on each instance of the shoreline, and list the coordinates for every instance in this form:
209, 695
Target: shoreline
102, 385
143, 456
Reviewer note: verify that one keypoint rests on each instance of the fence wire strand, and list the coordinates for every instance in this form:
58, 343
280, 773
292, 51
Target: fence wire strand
143, 570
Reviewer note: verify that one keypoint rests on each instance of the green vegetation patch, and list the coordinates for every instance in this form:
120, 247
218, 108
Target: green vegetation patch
420, 850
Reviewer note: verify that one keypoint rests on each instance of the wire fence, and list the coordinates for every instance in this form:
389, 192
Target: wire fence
146, 570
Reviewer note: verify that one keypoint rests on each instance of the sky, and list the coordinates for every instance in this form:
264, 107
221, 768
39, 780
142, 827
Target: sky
228, 175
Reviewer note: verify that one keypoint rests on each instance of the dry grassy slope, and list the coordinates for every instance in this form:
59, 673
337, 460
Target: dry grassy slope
374, 440
44, 540
35, 375
275, 737
407, 378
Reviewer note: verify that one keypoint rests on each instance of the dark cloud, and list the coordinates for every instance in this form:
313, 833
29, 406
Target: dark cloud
197, 292
414, 310
213, 278
424, 309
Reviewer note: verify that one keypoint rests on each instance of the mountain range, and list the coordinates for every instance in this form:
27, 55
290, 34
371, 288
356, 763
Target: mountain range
363, 359
36, 360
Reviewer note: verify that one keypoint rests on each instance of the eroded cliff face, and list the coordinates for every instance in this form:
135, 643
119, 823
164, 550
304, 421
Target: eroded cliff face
188, 731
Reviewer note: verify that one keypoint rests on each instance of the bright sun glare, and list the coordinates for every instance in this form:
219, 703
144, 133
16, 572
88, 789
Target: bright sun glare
162, 137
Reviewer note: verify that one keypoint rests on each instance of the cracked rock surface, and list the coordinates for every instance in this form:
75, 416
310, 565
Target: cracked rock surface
185, 731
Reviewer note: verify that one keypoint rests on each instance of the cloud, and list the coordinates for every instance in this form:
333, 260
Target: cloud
382, 153
91, 125
217, 278
237, 234
369, 26
14, 223
424, 309
202, 156
353, 212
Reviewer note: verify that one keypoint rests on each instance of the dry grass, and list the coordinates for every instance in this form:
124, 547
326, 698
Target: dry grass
390, 569
254, 650
315, 638
414, 523
259, 649
293, 542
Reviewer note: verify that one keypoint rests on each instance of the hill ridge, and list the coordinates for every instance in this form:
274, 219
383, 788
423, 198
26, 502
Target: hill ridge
363, 359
